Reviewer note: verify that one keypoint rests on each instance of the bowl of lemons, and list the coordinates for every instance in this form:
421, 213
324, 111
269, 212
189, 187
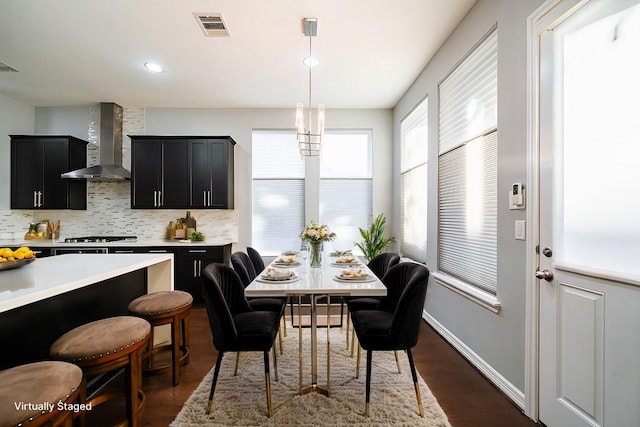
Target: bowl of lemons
10, 259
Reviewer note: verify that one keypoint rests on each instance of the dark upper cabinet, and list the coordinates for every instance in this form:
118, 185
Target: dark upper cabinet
211, 165
182, 172
159, 173
36, 165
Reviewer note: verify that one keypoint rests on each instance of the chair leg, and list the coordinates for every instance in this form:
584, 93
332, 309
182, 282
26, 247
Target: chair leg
280, 338
358, 362
176, 327
275, 362
415, 382
395, 353
215, 381
284, 325
353, 341
348, 322
368, 386
267, 382
235, 371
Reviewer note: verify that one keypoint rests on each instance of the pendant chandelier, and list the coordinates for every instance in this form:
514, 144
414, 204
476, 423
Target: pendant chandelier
309, 142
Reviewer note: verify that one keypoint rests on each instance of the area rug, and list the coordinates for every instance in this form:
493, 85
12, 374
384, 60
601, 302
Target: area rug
241, 400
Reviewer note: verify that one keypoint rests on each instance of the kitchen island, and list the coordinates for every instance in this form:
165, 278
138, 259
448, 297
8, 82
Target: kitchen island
41, 301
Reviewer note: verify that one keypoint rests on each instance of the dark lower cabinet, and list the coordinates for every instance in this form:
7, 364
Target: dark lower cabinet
188, 263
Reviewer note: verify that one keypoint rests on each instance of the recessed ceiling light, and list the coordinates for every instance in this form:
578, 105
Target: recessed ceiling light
153, 67
310, 61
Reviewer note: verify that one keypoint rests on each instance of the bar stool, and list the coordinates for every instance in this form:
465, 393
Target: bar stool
166, 308
107, 345
42, 393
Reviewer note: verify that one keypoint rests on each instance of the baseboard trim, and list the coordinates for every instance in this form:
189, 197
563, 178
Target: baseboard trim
511, 391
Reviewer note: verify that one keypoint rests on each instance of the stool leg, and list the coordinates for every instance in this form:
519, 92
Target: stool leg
185, 337
175, 348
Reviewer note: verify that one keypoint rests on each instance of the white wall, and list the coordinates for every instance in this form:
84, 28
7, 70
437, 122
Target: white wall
16, 118
497, 339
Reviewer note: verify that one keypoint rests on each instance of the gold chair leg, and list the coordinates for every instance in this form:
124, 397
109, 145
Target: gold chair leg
280, 338
299, 344
358, 362
348, 322
353, 341
284, 324
366, 409
395, 353
235, 371
420, 408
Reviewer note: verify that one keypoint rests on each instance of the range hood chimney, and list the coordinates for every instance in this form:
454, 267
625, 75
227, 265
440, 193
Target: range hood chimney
110, 166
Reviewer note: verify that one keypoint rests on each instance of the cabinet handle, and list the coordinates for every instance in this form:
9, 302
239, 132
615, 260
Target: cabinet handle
204, 198
195, 268
122, 252
155, 199
199, 268
35, 199
209, 202
197, 251
160, 198
157, 251
39, 199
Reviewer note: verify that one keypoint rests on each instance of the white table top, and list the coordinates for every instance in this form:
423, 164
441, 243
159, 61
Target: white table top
51, 276
317, 281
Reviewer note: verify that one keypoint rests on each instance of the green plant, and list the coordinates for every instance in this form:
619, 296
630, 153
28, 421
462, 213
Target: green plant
373, 241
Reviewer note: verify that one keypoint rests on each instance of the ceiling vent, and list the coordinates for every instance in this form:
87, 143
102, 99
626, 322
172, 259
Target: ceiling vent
212, 24
5, 67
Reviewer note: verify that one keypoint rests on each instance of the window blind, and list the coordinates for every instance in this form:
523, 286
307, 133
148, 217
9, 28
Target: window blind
467, 238
413, 184
278, 192
468, 169
468, 97
346, 188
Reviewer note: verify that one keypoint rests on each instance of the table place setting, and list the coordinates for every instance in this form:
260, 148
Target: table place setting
346, 261
354, 275
286, 261
278, 276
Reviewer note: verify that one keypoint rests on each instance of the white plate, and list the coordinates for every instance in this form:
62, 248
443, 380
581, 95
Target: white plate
361, 279
278, 281
345, 264
285, 264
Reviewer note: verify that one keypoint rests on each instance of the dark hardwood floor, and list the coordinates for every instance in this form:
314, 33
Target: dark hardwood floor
468, 399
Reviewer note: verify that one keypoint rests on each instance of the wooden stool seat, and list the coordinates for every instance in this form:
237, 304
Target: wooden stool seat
104, 346
41, 393
166, 308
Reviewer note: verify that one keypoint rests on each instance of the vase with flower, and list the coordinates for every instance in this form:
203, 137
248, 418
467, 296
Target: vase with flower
315, 234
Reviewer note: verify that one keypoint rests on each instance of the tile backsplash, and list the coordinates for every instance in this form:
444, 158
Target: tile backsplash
108, 205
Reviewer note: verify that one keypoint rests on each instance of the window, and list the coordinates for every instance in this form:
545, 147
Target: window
413, 184
278, 191
467, 169
346, 185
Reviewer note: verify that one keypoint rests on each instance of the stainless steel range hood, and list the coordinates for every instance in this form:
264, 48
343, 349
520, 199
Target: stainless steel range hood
110, 167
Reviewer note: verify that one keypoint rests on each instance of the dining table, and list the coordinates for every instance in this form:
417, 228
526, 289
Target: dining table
316, 283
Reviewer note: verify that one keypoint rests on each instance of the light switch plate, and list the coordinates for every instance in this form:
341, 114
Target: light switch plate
521, 227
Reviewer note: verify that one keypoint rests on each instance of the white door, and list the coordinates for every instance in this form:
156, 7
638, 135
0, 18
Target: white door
589, 213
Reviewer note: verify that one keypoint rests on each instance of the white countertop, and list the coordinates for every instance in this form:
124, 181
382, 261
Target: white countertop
44, 243
51, 276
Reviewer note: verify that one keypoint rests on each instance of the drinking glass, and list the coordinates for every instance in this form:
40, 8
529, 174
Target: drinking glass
304, 253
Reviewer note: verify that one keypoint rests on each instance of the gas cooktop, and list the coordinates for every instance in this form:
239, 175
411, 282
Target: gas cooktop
100, 239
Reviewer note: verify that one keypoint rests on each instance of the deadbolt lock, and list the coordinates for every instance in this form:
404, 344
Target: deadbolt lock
547, 252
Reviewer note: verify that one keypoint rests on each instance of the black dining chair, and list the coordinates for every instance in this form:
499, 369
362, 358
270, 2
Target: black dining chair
395, 324
256, 260
379, 266
243, 266
235, 325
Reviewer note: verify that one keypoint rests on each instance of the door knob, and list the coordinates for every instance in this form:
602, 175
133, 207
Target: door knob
544, 274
